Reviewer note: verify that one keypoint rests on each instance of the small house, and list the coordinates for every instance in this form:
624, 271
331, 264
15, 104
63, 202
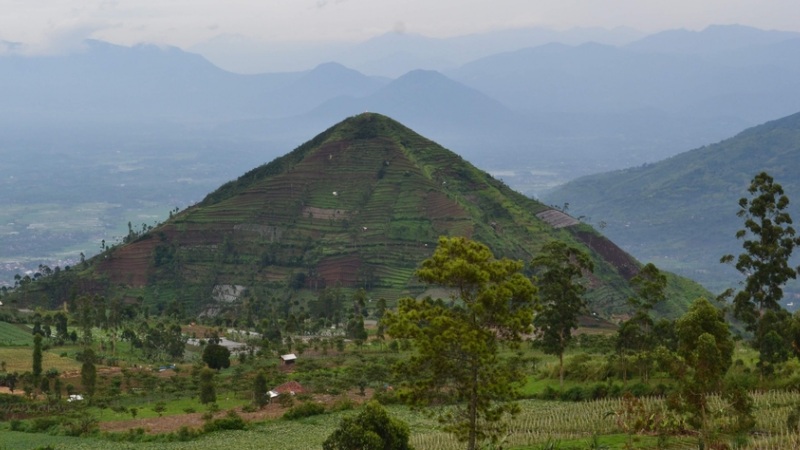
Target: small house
288, 359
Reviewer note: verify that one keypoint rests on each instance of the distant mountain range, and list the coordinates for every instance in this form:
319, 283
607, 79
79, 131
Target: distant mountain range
395, 53
680, 213
136, 122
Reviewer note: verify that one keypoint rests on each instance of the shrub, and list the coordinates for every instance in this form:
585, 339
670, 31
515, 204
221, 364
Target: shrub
249, 408
639, 389
302, 410
286, 400
387, 397
573, 394
599, 391
231, 421
185, 434
343, 404
372, 428
42, 424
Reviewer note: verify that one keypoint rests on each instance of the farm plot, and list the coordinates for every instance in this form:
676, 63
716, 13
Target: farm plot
19, 359
11, 335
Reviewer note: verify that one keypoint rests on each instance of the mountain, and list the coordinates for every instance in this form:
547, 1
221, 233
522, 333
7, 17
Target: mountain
680, 213
151, 83
427, 101
395, 53
713, 39
359, 205
634, 104
593, 78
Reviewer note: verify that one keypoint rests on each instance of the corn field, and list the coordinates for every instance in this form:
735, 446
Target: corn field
615, 423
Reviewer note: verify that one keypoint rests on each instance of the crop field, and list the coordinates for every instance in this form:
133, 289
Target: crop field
565, 425
11, 335
18, 359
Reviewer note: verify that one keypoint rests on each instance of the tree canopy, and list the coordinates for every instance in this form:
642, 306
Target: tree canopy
558, 268
371, 429
769, 240
458, 341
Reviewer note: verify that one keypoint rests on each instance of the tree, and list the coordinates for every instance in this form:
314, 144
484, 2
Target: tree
208, 393
88, 372
705, 348
636, 336
260, 397
355, 329
458, 342
37, 356
769, 240
371, 429
217, 356
558, 267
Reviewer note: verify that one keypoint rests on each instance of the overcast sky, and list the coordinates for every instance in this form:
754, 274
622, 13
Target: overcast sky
45, 25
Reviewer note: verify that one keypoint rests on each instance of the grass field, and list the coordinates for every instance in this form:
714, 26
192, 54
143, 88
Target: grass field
12, 334
18, 359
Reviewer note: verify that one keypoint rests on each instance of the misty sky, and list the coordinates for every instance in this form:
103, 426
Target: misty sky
57, 25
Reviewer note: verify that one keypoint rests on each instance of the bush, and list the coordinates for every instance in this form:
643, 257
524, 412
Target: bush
249, 408
286, 400
42, 424
599, 391
343, 404
185, 434
639, 389
573, 394
387, 397
372, 428
231, 421
548, 393
302, 410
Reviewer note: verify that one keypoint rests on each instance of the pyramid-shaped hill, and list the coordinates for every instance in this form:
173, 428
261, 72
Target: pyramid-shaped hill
358, 206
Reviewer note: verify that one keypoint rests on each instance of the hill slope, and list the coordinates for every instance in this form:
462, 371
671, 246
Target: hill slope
681, 213
360, 205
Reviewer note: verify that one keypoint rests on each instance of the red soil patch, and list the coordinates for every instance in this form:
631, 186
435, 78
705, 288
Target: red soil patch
342, 269
624, 263
169, 424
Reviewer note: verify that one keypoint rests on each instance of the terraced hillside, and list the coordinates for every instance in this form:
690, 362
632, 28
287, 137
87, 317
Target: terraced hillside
360, 205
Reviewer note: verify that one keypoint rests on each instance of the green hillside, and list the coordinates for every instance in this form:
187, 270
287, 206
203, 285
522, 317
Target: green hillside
358, 206
680, 213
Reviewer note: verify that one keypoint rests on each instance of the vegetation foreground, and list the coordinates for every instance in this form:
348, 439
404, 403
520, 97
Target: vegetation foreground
493, 362
607, 423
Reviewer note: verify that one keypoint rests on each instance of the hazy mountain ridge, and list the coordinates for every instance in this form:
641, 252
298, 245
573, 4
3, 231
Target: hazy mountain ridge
143, 121
681, 212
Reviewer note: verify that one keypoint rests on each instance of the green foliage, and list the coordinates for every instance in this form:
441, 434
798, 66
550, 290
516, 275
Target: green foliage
231, 421
558, 268
370, 429
260, 397
37, 355
769, 240
305, 409
208, 392
12, 334
637, 337
88, 373
216, 356
705, 347
457, 343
